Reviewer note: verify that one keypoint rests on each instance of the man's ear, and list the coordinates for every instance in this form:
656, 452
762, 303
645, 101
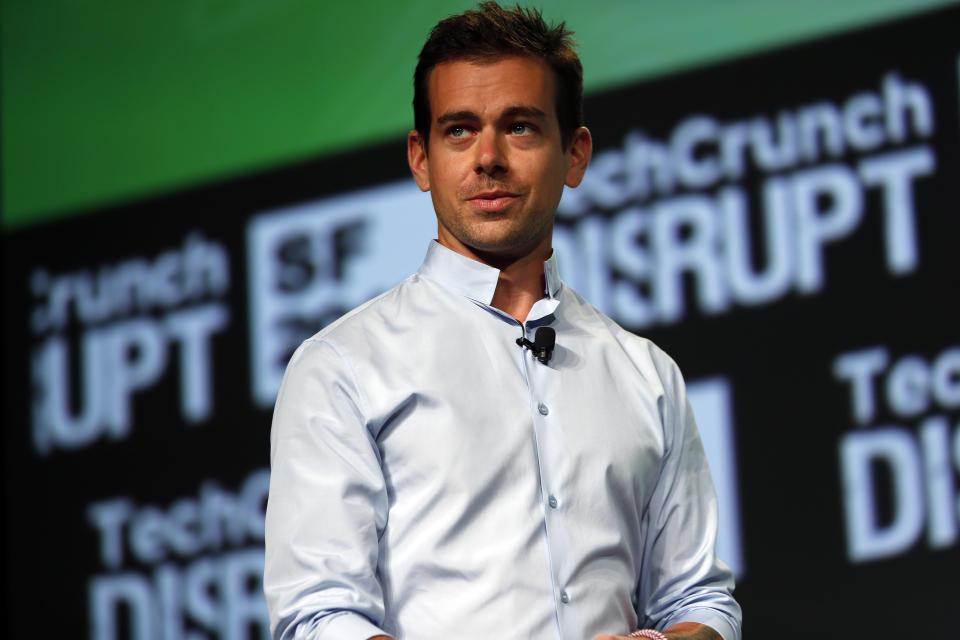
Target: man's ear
578, 156
417, 158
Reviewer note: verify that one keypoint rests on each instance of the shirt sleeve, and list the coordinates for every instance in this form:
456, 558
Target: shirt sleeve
327, 505
682, 580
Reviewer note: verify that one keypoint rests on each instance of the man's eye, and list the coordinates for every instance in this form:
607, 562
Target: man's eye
519, 128
457, 132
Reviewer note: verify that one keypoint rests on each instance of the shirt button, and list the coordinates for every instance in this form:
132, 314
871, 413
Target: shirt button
564, 597
552, 502
542, 408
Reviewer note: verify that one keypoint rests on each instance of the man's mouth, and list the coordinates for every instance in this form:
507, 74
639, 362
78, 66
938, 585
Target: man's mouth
492, 201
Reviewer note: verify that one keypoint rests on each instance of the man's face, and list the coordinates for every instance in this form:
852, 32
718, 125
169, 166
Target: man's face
496, 166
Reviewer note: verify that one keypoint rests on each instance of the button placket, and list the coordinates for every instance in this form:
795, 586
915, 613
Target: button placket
537, 378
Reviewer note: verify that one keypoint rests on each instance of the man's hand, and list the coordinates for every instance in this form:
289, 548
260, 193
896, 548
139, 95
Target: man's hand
682, 631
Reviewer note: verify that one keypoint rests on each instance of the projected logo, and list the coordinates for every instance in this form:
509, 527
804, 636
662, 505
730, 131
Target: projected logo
911, 469
191, 569
114, 326
676, 213
312, 263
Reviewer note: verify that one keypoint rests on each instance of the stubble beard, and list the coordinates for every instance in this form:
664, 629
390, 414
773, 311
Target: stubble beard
499, 237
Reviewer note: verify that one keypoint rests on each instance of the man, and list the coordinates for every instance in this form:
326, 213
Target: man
434, 478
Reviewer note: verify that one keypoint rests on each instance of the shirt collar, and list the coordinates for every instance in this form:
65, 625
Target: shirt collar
473, 279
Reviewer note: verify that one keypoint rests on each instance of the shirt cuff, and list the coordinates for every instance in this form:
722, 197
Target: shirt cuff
351, 626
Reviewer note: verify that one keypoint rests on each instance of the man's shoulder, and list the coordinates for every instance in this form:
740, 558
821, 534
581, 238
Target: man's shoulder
357, 332
372, 314
638, 348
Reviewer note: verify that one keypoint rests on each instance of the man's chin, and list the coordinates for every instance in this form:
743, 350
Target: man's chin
505, 249
496, 239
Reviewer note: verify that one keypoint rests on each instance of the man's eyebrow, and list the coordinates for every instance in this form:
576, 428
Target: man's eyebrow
455, 116
510, 112
523, 112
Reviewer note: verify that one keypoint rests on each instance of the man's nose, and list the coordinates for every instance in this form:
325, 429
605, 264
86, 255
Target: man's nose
491, 158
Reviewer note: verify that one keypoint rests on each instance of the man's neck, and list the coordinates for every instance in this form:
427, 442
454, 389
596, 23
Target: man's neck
521, 283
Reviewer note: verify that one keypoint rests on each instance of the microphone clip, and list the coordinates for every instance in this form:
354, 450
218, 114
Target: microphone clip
542, 345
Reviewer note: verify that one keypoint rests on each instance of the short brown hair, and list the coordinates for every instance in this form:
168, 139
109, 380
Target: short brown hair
491, 33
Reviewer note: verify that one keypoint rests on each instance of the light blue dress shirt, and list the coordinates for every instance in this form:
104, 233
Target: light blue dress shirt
432, 479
